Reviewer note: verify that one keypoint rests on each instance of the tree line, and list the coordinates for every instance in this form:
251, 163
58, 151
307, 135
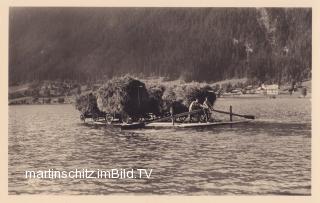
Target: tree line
201, 44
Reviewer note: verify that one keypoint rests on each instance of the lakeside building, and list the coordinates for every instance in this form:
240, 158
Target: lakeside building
272, 89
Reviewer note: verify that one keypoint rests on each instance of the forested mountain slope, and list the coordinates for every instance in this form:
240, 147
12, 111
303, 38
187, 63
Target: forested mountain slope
203, 44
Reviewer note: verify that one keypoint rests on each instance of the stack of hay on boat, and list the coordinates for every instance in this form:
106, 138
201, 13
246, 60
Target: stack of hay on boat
189, 92
123, 95
132, 98
155, 102
87, 103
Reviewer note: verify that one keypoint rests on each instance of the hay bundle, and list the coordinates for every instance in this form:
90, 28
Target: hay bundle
86, 103
155, 102
123, 95
168, 98
171, 99
189, 93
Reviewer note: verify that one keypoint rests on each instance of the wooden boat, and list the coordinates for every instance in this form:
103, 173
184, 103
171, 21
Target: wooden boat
163, 122
127, 126
158, 125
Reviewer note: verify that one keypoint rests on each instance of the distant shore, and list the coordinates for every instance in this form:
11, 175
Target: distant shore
52, 92
71, 99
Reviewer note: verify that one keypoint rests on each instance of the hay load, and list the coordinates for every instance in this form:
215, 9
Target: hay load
189, 93
155, 102
125, 96
86, 103
170, 99
180, 97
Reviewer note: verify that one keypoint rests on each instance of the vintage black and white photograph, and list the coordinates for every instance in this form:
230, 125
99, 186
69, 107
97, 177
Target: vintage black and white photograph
190, 101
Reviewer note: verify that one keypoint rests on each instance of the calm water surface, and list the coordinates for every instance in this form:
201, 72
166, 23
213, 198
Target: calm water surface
270, 156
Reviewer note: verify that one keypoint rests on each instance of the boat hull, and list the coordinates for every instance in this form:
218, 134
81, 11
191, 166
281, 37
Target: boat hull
191, 125
167, 124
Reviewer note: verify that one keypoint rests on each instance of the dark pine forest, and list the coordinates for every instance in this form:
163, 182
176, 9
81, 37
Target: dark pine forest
201, 44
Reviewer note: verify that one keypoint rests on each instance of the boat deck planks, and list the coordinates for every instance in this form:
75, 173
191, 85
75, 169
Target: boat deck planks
191, 125
166, 124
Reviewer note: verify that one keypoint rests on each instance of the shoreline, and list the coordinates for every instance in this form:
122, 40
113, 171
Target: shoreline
224, 97
50, 92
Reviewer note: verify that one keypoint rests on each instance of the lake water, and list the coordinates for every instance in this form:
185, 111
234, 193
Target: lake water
269, 156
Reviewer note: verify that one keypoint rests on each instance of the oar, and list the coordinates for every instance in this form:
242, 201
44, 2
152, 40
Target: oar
234, 114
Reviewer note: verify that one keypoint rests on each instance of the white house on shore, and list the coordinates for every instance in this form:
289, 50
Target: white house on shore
271, 89
268, 89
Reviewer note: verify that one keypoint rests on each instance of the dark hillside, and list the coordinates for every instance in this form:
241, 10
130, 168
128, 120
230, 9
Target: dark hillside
203, 44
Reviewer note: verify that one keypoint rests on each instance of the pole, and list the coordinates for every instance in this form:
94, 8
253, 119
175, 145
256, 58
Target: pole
230, 116
171, 113
139, 95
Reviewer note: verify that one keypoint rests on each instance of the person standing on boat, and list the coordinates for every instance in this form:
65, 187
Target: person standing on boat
195, 105
207, 106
